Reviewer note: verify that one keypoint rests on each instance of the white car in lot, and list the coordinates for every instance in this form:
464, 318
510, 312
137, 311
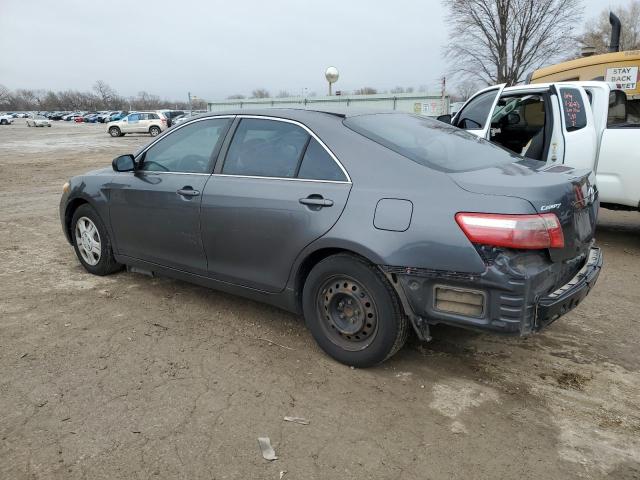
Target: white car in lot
6, 119
152, 123
38, 121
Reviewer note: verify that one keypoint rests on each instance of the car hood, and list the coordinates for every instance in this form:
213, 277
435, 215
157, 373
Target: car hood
558, 189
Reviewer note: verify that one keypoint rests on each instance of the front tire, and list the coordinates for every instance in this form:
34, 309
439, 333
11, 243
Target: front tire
115, 132
353, 312
154, 131
92, 243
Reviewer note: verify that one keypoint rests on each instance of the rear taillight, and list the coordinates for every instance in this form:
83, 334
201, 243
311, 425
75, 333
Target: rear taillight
512, 231
164, 120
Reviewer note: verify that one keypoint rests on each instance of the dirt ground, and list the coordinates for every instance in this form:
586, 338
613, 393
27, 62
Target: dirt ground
129, 377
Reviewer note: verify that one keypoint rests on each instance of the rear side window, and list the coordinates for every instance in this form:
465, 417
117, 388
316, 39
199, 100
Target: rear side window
573, 109
317, 164
153, 116
475, 114
430, 143
265, 148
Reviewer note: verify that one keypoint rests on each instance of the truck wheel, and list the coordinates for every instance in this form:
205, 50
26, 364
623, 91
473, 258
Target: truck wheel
92, 243
154, 131
115, 132
353, 312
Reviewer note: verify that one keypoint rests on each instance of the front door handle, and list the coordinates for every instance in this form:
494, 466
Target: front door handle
316, 201
188, 192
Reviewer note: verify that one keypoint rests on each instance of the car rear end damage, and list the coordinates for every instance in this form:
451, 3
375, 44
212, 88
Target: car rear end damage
538, 265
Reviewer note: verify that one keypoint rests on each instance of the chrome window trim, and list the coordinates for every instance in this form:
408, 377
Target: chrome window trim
172, 130
155, 172
340, 182
313, 135
260, 117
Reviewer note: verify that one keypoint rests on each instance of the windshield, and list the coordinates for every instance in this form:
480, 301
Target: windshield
429, 142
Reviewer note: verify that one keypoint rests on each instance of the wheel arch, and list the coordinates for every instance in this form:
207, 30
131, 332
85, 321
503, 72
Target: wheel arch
311, 258
72, 206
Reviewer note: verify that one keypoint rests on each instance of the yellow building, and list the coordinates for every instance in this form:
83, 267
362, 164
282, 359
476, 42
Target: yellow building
619, 69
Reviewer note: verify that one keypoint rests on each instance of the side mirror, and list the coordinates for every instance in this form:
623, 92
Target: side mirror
124, 163
445, 118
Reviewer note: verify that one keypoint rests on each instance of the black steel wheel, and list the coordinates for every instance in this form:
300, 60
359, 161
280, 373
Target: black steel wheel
350, 316
352, 311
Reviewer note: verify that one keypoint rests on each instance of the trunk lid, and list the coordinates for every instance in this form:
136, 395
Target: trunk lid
559, 189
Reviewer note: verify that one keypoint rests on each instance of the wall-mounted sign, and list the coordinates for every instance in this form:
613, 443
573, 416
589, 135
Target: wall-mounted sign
622, 78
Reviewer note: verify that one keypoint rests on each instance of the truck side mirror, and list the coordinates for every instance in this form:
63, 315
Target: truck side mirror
444, 118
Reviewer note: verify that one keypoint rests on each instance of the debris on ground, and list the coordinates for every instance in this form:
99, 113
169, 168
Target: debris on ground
572, 380
268, 453
299, 420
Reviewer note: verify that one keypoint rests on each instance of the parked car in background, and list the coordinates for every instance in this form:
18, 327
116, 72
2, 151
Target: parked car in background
38, 121
152, 123
366, 223
183, 118
170, 115
91, 117
56, 115
117, 116
72, 116
104, 116
6, 119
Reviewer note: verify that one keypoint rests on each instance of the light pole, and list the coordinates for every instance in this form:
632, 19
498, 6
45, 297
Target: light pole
332, 75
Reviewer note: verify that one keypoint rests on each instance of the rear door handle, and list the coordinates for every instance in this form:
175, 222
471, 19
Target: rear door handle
188, 192
316, 201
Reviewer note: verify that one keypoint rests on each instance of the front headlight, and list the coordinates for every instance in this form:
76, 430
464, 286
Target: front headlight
65, 187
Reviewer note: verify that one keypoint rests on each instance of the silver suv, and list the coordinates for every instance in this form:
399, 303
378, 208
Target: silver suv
139, 122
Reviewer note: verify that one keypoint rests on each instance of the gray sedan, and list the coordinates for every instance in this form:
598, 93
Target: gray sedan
370, 224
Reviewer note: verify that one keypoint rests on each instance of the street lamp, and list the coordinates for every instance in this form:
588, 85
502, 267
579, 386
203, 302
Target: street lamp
332, 76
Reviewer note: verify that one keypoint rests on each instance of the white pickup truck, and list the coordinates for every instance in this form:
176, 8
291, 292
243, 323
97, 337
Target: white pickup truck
579, 124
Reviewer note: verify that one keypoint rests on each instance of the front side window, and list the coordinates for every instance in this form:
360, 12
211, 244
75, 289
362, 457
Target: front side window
623, 113
188, 149
475, 114
265, 148
134, 117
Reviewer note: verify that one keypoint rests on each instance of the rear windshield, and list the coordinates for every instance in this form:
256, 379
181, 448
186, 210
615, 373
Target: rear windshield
429, 142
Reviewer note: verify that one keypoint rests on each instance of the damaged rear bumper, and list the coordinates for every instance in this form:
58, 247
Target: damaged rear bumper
518, 293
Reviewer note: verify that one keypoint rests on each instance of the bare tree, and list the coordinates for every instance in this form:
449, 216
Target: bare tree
260, 93
597, 32
465, 88
236, 96
500, 41
5, 95
283, 94
365, 91
105, 92
397, 89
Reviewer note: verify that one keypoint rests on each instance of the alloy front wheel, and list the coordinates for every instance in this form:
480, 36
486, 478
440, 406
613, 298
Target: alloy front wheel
88, 241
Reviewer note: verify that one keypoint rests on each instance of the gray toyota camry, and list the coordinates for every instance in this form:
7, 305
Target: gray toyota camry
368, 224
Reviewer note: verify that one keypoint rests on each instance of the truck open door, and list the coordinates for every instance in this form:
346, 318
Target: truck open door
475, 114
576, 145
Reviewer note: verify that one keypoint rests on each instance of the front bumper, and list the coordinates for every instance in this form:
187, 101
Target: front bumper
522, 291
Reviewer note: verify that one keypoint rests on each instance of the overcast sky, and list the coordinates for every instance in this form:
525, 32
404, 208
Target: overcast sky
217, 48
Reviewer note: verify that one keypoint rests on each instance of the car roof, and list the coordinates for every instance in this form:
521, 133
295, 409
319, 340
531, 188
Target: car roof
302, 113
